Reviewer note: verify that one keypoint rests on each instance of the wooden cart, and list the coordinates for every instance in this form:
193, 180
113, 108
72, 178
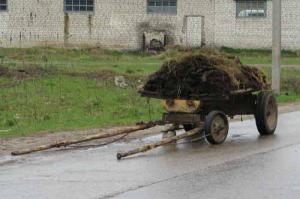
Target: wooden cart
211, 112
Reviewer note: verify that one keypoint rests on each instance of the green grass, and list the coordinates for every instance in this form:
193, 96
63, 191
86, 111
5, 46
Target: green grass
63, 102
81, 60
261, 56
288, 96
5, 80
285, 72
133, 63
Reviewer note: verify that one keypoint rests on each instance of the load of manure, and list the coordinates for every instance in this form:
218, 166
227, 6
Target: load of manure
206, 72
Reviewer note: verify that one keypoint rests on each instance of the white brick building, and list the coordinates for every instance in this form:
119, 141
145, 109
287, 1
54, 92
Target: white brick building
121, 23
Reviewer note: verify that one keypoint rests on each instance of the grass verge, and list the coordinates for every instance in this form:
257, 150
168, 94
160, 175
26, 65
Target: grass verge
66, 103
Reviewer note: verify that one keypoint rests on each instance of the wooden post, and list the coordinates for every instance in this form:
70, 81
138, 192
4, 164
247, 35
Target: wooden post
276, 47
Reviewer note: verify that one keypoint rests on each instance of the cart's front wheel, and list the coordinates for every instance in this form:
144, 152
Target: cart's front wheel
266, 113
216, 127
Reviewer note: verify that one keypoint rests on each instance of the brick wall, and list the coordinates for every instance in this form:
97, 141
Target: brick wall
31, 22
291, 24
242, 32
256, 32
120, 24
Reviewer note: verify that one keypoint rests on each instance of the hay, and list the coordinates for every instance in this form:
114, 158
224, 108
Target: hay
206, 72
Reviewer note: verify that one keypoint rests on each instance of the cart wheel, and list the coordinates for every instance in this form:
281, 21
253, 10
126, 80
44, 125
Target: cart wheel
216, 127
266, 115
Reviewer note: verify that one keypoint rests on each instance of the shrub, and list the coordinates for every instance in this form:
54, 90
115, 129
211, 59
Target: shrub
292, 84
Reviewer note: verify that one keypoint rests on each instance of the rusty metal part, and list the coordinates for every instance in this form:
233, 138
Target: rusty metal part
182, 118
219, 129
271, 113
156, 95
181, 106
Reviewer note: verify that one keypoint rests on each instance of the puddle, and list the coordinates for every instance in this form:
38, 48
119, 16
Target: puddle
7, 159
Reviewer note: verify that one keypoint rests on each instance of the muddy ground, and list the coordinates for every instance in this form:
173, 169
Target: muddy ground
34, 72
7, 145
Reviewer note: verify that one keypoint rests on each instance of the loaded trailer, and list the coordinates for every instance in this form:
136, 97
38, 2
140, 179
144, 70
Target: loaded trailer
209, 114
211, 111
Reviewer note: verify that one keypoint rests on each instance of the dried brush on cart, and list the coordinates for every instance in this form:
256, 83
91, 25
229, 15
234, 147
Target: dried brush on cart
205, 73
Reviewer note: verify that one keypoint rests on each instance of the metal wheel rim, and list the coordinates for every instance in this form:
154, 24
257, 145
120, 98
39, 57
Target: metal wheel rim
271, 113
219, 129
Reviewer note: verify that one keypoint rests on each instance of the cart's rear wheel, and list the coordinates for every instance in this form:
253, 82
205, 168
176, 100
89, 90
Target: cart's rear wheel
266, 115
216, 127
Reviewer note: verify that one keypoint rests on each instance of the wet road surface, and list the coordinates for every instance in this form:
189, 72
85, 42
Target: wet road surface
246, 166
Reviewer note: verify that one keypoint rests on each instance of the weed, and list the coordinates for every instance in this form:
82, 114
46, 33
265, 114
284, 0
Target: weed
129, 71
292, 84
10, 122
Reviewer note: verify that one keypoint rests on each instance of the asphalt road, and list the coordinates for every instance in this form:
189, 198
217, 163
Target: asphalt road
246, 166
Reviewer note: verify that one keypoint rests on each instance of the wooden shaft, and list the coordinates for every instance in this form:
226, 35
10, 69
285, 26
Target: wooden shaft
85, 139
158, 144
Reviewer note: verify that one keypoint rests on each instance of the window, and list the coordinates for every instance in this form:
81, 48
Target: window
251, 8
3, 5
79, 5
162, 6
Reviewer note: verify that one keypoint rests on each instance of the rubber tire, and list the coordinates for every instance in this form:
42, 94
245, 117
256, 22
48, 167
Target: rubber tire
260, 116
207, 126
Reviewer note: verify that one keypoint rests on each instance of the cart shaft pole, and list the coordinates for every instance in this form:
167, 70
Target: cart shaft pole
158, 144
85, 139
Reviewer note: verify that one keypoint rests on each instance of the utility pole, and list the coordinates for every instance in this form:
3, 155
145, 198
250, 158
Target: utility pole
276, 46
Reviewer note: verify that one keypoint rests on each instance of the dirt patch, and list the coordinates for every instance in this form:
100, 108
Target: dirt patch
18, 75
109, 77
103, 75
3, 71
35, 72
24, 73
206, 72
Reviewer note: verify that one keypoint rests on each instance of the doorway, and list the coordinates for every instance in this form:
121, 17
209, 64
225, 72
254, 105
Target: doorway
194, 31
